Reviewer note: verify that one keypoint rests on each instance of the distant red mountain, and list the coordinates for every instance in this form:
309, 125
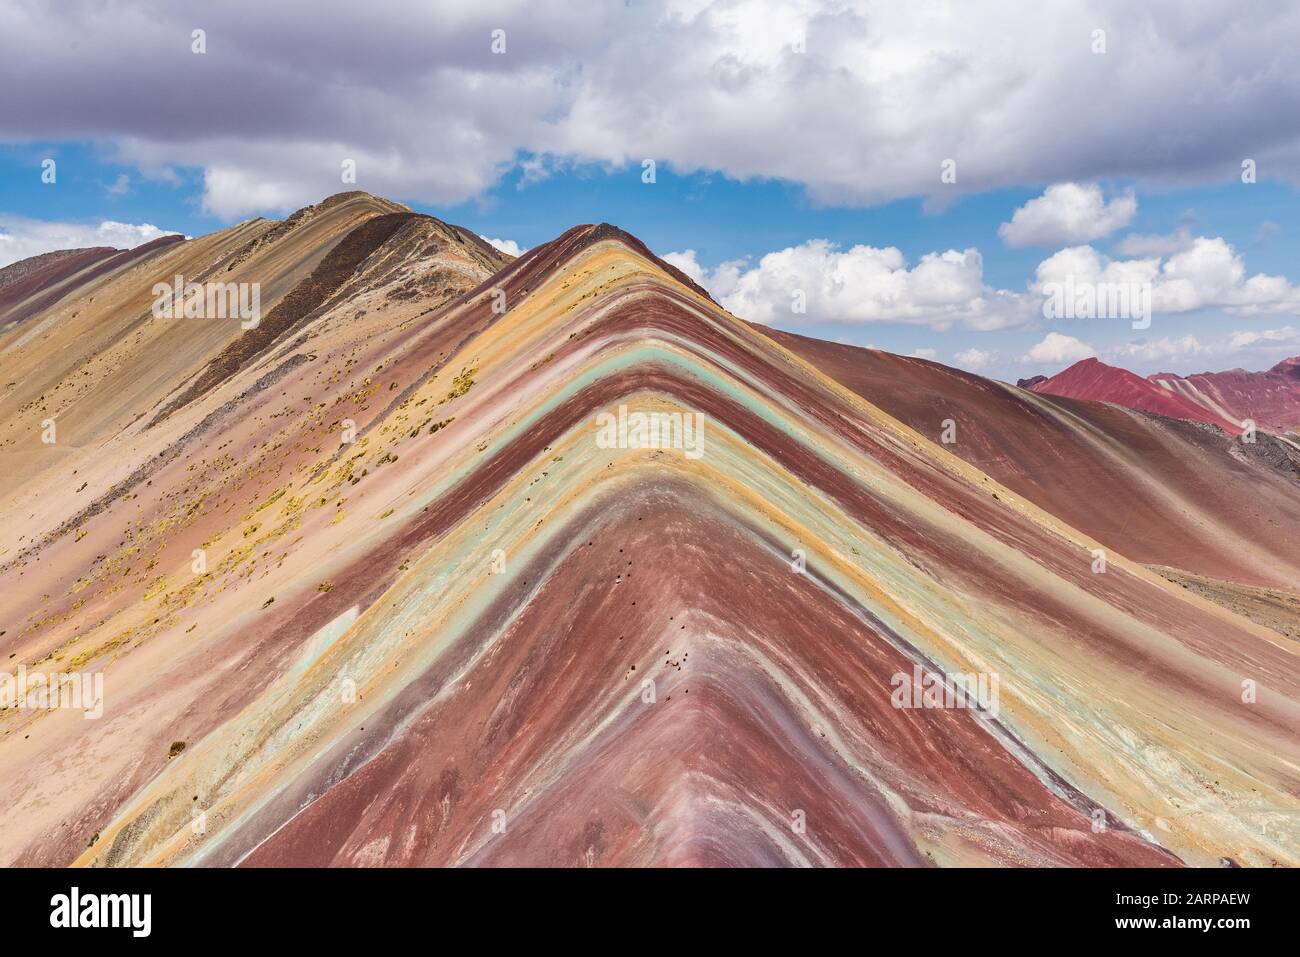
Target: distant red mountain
1270, 399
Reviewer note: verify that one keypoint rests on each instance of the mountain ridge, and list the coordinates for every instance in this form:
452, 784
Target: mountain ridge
1228, 399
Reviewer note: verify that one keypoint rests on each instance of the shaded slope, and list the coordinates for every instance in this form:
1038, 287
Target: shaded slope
303, 300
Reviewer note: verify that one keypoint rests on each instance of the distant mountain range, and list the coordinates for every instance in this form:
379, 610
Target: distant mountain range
1227, 399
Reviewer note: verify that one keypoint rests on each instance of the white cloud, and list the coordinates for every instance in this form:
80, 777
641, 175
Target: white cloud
1172, 350
1058, 349
972, 359
120, 186
1083, 264
925, 353
230, 192
1168, 352
859, 285
1068, 213
854, 116
867, 284
21, 238
1153, 244
507, 246
1207, 274
1245, 339
1163, 349
687, 263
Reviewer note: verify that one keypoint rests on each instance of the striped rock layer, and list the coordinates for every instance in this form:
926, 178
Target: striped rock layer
367, 586
1234, 401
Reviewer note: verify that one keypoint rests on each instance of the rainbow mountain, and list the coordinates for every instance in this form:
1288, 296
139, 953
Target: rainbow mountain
371, 582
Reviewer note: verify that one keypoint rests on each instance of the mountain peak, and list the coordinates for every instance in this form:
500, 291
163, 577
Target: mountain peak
552, 255
1092, 367
1287, 367
353, 197
1095, 380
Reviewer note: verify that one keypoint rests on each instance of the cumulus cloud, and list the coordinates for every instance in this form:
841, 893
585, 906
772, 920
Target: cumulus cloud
1059, 349
1068, 213
838, 95
21, 238
687, 263
1256, 348
820, 282
1206, 274
973, 359
1247, 338
507, 246
1085, 265
1140, 245
1166, 348
817, 281
1264, 345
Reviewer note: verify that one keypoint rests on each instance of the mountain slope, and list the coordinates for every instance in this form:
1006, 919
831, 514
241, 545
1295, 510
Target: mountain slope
1157, 490
1093, 379
98, 361
431, 597
1270, 399
1227, 399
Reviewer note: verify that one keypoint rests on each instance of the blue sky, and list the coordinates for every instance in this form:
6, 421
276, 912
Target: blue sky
720, 218
723, 219
798, 151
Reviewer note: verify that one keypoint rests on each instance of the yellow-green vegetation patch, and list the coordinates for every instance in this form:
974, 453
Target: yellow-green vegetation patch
85, 656
463, 382
236, 557
275, 497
